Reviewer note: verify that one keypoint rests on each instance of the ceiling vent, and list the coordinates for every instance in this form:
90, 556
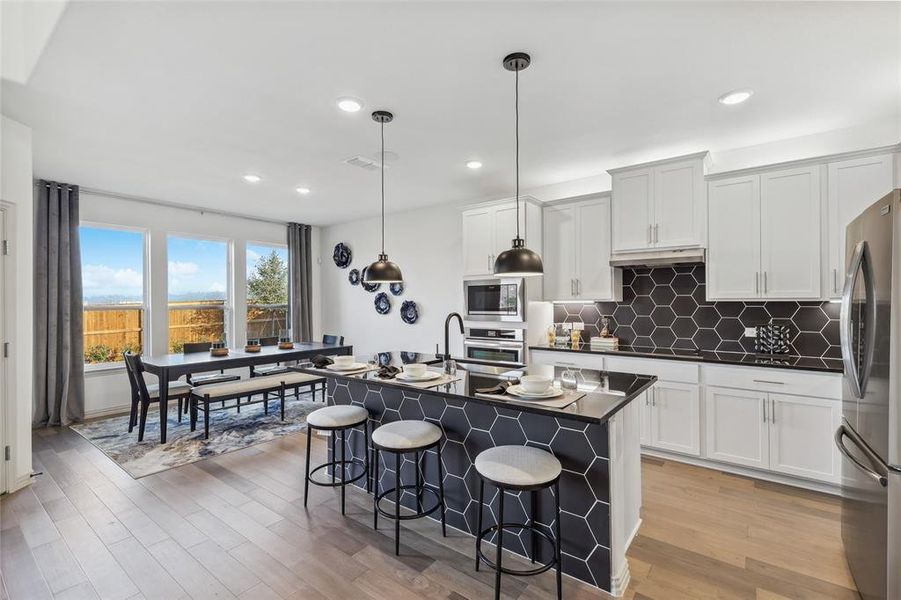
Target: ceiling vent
364, 163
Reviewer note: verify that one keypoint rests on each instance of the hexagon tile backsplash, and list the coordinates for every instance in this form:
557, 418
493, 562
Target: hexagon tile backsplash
666, 308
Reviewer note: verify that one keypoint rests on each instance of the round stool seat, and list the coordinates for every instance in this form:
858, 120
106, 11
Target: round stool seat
406, 435
340, 415
520, 466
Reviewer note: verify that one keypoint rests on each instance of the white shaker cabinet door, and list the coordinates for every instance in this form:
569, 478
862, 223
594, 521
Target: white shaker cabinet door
594, 275
679, 205
478, 242
801, 437
505, 227
559, 252
675, 417
633, 198
737, 426
790, 234
853, 186
733, 231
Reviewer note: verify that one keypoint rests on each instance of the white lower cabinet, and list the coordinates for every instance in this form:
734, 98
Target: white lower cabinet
782, 433
673, 416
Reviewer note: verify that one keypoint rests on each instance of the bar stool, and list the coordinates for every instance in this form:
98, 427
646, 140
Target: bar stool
399, 438
518, 468
337, 419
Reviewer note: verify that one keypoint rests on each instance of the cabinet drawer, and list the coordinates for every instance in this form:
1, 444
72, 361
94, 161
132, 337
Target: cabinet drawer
665, 370
818, 385
567, 359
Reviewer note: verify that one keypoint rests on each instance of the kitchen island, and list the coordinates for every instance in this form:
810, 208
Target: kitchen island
595, 438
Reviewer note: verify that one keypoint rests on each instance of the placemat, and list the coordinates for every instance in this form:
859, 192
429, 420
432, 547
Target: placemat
445, 378
568, 397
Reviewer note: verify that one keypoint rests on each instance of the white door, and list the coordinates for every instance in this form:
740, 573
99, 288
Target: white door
478, 241
790, 248
505, 227
594, 276
853, 186
733, 232
644, 417
679, 205
559, 252
801, 437
737, 426
632, 206
675, 417
4, 422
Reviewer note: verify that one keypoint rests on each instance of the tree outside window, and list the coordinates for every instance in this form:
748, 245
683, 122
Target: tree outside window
267, 290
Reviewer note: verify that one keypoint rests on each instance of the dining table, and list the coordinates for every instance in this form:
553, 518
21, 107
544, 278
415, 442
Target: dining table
169, 367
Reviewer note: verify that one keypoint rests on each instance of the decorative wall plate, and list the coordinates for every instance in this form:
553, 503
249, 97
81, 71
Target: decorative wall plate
408, 312
396, 288
383, 358
354, 277
382, 303
409, 357
342, 255
369, 287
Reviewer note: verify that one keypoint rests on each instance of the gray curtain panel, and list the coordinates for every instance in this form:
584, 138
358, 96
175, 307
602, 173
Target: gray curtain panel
300, 281
58, 319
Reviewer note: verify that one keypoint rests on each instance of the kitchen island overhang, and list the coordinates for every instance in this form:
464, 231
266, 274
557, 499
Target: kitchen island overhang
596, 439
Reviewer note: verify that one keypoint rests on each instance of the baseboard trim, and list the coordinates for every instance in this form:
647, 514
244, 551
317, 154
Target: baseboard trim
807, 484
121, 409
619, 582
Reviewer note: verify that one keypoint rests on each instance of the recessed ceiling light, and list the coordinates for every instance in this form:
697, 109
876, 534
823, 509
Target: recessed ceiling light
251, 178
303, 191
348, 104
735, 97
474, 164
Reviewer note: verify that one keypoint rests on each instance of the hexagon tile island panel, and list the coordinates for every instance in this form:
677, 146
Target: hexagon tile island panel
667, 308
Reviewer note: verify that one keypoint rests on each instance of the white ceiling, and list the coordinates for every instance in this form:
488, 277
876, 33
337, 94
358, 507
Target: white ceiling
176, 101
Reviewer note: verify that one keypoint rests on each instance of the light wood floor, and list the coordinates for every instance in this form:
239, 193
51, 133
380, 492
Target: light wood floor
235, 526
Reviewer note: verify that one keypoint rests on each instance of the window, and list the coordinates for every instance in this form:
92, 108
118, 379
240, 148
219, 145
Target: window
267, 290
112, 278
198, 291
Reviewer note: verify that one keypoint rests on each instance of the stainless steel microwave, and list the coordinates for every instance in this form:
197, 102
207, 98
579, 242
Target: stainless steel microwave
495, 299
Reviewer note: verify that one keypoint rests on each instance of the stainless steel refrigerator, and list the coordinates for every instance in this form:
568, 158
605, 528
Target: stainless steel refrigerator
871, 412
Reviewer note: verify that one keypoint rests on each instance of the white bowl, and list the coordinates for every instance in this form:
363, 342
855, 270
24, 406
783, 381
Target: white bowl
415, 369
535, 384
343, 361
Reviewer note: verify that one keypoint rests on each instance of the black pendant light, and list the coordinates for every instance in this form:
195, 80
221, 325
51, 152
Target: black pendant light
383, 270
519, 261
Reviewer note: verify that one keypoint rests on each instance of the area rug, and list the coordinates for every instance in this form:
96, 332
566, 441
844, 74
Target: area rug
229, 431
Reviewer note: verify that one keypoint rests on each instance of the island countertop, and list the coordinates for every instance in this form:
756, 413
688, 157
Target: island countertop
606, 392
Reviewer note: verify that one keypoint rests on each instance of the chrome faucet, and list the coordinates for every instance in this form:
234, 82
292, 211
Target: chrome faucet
447, 322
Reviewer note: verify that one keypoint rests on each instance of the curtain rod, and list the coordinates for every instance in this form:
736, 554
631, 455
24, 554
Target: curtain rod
168, 204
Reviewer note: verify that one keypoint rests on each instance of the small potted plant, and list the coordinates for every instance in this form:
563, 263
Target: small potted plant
253, 345
219, 348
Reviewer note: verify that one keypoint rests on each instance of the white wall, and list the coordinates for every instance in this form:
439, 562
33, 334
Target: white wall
427, 245
107, 391
17, 194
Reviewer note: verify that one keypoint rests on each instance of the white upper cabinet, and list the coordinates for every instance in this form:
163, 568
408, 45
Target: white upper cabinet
660, 205
853, 185
489, 229
790, 229
765, 235
577, 252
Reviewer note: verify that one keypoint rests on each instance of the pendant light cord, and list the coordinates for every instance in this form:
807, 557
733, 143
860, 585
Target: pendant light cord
516, 112
383, 187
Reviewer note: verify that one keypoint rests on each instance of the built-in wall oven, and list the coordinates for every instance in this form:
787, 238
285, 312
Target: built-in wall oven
495, 299
499, 345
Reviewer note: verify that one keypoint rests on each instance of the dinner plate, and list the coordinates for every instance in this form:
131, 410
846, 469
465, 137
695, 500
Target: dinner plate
428, 376
353, 367
517, 390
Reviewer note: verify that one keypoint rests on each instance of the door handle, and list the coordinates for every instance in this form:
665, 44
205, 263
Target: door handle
578, 287
843, 431
860, 261
764, 282
764, 410
756, 282
769, 381
834, 280
773, 411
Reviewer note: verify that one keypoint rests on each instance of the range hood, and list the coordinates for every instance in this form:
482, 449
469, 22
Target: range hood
658, 258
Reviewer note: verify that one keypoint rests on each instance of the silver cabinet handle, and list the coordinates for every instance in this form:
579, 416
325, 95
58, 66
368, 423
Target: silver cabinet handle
773, 411
653, 398
764, 282
769, 381
764, 410
578, 287
834, 280
756, 282
656, 233
572, 287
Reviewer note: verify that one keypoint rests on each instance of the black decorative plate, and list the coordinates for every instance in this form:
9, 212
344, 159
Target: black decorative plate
409, 357
383, 358
396, 288
369, 287
342, 255
409, 312
382, 303
354, 277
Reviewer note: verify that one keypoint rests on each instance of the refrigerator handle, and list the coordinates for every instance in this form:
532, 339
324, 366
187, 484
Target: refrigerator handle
843, 432
860, 261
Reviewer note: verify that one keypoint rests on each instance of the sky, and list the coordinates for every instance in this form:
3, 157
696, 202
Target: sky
113, 265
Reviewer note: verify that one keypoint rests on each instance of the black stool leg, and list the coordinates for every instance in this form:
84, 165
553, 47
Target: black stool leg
334, 455
282, 398
479, 529
375, 488
193, 413
306, 479
559, 541
366, 454
532, 522
418, 482
441, 490
500, 544
397, 504
180, 404
206, 419
343, 467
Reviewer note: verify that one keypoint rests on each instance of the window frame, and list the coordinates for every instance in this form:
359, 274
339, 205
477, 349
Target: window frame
144, 307
287, 303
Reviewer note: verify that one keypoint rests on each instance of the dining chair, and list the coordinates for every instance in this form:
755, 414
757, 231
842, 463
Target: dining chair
143, 394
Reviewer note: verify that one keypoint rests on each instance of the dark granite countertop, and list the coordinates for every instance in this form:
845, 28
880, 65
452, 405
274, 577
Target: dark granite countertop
605, 392
776, 361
